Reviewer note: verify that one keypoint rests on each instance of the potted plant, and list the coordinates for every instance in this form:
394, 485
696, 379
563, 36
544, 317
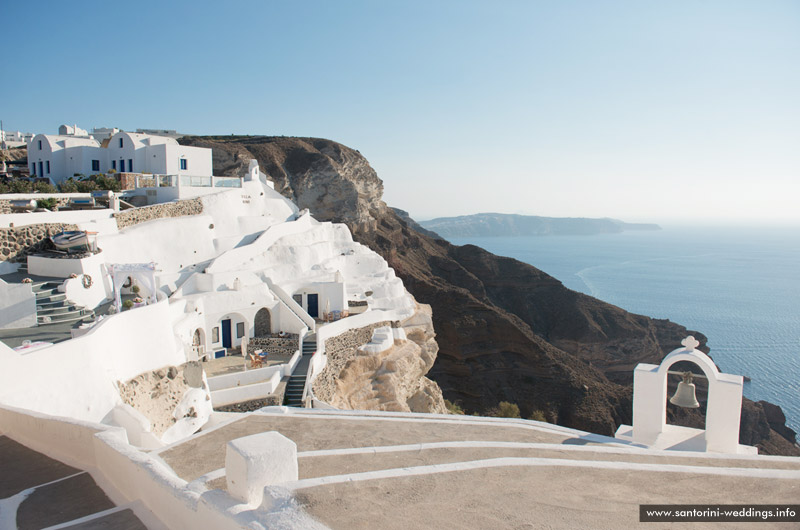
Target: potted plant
127, 304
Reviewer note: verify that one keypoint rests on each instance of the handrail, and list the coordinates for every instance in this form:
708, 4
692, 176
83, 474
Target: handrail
292, 305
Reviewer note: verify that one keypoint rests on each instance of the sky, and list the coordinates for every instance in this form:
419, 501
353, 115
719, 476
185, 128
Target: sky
647, 111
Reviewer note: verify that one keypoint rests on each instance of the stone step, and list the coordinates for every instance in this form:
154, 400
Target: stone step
43, 287
51, 299
55, 309
63, 319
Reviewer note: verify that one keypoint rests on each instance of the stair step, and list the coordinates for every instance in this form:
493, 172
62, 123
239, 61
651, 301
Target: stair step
51, 299
55, 310
76, 318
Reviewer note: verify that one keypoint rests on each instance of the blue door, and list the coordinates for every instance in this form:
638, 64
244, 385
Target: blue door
226, 333
313, 305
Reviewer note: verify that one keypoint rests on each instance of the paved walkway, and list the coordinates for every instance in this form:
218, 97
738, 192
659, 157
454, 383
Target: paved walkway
37, 492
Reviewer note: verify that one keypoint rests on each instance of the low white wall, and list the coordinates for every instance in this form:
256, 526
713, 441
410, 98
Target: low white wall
98, 292
248, 377
123, 472
326, 331
17, 306
63, 216
239, 394
76, 378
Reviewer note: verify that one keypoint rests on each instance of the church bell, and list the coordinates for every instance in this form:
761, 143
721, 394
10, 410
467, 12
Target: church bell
685, 394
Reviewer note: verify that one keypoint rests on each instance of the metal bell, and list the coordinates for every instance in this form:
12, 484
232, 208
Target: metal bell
685, 394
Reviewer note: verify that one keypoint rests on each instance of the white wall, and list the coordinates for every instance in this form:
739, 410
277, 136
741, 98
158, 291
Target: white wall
66, 217
17, 305
198, 160
76, 378
125, 473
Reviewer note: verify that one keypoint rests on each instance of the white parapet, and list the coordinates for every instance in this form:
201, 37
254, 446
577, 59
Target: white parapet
259, 460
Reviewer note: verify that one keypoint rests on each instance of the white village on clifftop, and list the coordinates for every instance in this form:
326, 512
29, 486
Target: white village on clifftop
170, 353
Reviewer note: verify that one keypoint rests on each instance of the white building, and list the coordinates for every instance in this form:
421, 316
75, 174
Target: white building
11, 139
59, 157
101, 133
72, 130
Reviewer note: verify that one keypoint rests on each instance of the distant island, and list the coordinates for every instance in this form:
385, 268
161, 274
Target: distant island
500, 224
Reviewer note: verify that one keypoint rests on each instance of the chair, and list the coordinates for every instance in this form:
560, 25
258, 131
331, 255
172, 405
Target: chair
256, 361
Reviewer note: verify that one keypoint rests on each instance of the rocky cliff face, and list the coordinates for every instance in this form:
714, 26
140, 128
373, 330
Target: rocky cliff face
392, 379
506, 331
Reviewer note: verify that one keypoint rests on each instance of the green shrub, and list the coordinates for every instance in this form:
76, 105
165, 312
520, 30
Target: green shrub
127, 304
538, 415
135, 289
453, 408
44, 187
505, 409
50, 204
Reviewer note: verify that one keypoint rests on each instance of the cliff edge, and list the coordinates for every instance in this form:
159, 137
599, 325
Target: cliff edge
506, 331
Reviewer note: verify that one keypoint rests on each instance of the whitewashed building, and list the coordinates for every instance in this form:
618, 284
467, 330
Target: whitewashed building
11, 139
59, 157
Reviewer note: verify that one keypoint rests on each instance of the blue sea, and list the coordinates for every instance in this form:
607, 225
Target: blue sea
740, 287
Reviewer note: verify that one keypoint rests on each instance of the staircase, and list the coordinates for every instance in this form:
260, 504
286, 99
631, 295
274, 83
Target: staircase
297, 382
52, 307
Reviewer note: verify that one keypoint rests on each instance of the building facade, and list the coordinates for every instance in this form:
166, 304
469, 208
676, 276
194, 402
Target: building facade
59, 157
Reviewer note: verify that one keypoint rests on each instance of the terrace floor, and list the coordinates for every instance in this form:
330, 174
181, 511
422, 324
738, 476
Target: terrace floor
384, 470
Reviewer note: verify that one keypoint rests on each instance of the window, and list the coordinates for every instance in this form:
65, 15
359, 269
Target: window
95, 165
33, 168
298, 298
120, 142
184, 164
47, 165
215, 335
40, 145
239, 330
130, 165
114, 164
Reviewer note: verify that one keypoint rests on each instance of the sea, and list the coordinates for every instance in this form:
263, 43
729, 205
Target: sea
738, 286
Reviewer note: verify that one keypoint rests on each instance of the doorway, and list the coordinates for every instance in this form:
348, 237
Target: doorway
313, 305
226, 333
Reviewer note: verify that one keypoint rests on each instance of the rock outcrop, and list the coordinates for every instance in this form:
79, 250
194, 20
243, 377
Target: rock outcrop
389, 378
328, 178
506, 331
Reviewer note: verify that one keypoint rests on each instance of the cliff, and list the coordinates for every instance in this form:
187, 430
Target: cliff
499, 224
506, 331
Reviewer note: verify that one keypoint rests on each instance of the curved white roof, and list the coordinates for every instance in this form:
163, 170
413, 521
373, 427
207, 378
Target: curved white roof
142, 140
58, 141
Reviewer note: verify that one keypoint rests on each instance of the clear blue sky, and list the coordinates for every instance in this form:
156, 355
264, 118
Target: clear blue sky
642, 110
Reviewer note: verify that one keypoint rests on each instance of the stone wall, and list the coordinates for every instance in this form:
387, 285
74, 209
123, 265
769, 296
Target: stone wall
159, 211
18, 242
341, 349
285, 346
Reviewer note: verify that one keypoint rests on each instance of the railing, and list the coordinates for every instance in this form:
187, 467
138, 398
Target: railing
227, 182
196, 182
289, 302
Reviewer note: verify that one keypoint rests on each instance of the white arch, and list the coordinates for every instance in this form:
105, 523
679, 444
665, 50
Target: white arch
723, 412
